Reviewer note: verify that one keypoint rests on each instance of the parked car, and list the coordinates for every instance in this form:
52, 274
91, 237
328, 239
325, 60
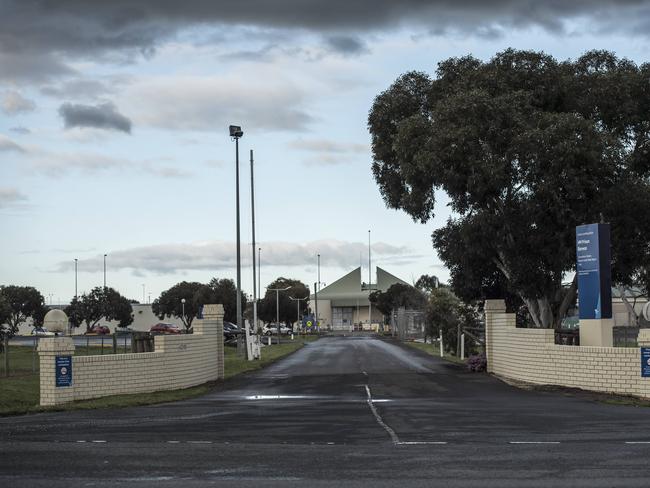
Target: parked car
270, 329
41, 332
99, 330
162, 328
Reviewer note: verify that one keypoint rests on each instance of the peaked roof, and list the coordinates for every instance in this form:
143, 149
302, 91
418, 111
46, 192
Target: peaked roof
349, 286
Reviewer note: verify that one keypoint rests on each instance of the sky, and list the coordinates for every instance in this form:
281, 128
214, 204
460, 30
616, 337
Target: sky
114, 130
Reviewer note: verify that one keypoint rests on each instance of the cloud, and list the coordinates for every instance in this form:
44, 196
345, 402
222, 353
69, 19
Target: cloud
20, 130
14, 103
11, 197
347, 45
7, 144
328, 152
35, 35
104, 116
79, 88
217, 255
203, 103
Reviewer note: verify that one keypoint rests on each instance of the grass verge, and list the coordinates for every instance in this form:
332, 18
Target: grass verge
19, 393
434, 350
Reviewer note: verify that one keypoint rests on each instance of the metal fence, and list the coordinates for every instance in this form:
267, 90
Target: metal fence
408, 324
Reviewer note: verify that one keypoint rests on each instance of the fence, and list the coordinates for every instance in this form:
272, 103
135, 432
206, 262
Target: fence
408, 324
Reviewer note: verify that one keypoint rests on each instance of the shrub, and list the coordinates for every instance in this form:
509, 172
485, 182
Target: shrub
477, 363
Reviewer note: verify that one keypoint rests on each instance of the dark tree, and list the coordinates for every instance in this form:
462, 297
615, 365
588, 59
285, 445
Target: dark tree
398, 295
22, 302
427, 283
170, 302
288, 308
224, 291
526, 148
100, 303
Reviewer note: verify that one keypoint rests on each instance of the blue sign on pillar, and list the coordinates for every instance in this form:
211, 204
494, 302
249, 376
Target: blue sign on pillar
63, 369
594, 271
645, 362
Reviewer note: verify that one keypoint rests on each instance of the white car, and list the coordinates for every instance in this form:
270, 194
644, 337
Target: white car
42, 332
271, 329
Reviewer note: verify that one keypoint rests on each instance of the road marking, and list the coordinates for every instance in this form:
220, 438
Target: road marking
378, 418
534, 442
81, 441
276, 397
99, 442
637, 442
420, 443
173, 442
199, 442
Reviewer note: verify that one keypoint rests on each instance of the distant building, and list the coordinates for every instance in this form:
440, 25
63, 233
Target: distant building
344, 304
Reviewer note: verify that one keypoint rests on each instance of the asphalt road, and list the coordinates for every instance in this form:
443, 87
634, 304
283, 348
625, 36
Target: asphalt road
355, 411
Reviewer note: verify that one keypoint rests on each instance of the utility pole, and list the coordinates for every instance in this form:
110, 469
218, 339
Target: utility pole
254, 270
318, 321
105, 271
75, 277
236, 133
316, 302
369, 284
277, 307
297, 300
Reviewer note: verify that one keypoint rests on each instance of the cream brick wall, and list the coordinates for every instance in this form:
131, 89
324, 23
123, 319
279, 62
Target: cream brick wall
531, 355
179, 361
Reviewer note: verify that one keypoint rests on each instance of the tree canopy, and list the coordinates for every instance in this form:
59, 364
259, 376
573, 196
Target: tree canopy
100, 303
398, 295
288, 309
170, 303
527, 148
18, 304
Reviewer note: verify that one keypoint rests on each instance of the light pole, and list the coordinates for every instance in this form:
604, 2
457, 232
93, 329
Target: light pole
253, 248
369, 284
75, 277
277, 307
105, 271
183, 305
297, 300
236, 133
259, 272
143, 293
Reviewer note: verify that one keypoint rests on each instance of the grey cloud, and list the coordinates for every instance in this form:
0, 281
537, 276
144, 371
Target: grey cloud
11, 197
78, 88
7, 144
14, 103
40, 28
34, 66
172, 258
104, 116
202, 103
329, 153
20, 130
347, 45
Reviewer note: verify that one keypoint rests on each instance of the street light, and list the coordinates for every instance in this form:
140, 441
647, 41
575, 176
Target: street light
236, 133
183, 305
277, 307
75, 277
105, 270
298, 303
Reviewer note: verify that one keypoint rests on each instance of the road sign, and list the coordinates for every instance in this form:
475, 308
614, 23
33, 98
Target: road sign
645, 362
63, 369
594, 271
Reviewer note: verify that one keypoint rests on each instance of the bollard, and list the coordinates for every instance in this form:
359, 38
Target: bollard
441, 348
269, 339
462, 346
292, 336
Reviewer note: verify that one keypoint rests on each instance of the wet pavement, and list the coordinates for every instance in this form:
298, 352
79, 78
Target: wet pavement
350, 411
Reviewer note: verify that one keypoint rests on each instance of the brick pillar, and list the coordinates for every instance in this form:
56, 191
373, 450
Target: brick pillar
48, 349
212, 325
491, 307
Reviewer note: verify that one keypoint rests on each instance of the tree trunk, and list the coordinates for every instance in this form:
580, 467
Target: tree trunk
630, 308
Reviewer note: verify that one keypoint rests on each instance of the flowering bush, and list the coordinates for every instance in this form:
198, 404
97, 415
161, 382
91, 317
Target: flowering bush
477, 363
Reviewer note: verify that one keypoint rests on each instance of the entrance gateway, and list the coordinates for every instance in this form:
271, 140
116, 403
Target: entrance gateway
342, 318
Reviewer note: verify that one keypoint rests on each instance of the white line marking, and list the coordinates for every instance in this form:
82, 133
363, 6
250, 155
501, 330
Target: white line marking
276, 397
99, 442
390, 431
81, 441
199, 442
418, 443
173, 442
637, 442
534, 442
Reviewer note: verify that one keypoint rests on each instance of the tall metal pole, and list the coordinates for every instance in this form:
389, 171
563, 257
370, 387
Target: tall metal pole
316, 302
369, 284
277, 307
239, 324
75, 277
143, 300
259, 272
105, 270
317, 317
253, 224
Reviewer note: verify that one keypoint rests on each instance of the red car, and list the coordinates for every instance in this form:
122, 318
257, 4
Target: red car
99, 330
162, 328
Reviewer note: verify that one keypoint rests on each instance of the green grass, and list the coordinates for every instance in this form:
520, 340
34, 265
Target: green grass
434, 350
19, 393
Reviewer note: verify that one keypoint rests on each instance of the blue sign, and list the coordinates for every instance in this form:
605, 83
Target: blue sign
645, 362
308, 321
594, 271
63, 369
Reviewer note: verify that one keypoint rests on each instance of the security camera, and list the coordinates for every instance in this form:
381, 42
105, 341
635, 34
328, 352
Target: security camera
235, 131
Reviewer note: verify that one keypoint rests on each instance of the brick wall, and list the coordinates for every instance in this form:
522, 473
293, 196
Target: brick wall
179, 361
530, 355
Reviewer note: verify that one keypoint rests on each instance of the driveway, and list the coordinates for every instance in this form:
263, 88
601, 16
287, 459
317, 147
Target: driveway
343, 411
